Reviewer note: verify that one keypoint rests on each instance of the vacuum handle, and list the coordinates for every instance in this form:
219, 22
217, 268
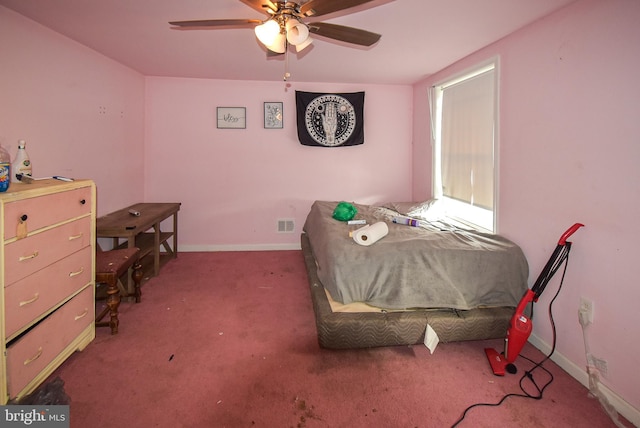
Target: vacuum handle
568, 233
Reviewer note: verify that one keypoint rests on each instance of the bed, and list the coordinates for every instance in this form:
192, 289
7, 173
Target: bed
463, 284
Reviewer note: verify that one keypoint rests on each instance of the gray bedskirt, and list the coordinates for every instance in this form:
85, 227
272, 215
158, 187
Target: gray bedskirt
342, 330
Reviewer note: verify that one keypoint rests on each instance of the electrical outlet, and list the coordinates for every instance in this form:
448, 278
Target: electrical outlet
586, 307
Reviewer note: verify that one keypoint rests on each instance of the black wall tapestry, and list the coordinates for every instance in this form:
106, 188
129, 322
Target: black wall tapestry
330, 120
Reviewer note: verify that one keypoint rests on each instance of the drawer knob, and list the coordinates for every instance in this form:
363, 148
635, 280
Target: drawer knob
24, 217
83, 201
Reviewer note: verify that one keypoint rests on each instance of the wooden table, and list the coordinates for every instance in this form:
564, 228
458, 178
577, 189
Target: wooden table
143, 231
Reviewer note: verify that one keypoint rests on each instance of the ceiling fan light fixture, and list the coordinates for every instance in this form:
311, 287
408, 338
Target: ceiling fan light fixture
268, 32
279, 44
301, 46
284, 25
297, 32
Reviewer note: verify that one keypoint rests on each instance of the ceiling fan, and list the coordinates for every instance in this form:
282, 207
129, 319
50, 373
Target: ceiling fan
285, 24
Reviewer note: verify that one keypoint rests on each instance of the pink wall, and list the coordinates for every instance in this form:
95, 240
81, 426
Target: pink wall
81, 114
569, 152
234, 184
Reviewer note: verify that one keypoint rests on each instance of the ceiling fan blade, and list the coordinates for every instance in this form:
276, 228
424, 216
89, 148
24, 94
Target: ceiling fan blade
345, 34
216, 23
261, 5
323, 7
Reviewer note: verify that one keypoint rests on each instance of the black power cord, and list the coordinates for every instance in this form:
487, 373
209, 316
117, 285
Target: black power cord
564, 258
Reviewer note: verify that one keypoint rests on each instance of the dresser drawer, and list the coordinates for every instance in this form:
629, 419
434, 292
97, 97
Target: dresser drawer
46, 210
28, 255
30, 354
31, 297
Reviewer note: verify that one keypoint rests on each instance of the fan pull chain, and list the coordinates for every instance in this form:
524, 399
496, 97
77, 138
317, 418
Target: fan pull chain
286, 62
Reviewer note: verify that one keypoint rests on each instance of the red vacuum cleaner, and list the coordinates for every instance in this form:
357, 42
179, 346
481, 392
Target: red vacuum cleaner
520, 325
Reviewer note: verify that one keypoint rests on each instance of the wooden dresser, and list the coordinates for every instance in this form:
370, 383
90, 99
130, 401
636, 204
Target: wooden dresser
47, 292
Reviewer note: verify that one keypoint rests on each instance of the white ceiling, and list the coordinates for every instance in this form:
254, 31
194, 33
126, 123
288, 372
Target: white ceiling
419, 37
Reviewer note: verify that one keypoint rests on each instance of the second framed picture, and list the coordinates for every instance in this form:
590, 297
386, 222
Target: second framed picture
273, 115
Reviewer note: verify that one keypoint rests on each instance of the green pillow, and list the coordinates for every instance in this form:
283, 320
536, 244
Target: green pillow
344, 211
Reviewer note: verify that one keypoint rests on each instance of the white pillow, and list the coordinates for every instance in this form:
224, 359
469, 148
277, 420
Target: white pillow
430, 210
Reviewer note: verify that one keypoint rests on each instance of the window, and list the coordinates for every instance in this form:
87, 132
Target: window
464, 115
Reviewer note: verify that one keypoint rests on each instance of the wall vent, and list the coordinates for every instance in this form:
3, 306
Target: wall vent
286, 225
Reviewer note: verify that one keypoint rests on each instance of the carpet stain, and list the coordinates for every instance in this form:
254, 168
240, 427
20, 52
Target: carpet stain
308, 412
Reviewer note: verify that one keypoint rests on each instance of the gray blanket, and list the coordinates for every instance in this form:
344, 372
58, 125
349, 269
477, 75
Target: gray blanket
414, 267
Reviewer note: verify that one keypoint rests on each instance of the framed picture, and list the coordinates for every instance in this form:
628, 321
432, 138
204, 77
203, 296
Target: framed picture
232, 117
272, 115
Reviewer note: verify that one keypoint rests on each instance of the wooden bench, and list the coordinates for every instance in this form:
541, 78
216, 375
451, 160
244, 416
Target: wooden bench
110, 266
143, 231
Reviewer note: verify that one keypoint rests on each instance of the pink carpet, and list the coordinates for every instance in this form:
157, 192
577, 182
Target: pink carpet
228, 339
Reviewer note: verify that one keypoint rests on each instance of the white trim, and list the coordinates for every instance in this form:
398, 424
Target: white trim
247, 247
465, 77
496, 142
435, 116
481, 67
625, 409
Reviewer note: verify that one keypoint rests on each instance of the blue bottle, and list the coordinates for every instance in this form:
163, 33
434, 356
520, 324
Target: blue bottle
5, 170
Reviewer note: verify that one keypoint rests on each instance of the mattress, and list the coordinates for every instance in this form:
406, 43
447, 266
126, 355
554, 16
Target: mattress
414, 267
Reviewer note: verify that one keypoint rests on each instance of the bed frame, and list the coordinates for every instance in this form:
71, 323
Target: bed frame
344, 330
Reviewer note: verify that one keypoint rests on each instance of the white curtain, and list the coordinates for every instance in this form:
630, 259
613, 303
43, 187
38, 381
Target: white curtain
467, 140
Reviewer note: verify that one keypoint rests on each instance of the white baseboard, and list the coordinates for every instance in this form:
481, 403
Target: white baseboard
625, 409
250, 247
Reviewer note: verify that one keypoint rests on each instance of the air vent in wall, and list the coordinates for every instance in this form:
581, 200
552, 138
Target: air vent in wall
286, 226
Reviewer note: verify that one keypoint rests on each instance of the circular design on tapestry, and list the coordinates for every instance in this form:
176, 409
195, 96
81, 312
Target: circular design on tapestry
330, 120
